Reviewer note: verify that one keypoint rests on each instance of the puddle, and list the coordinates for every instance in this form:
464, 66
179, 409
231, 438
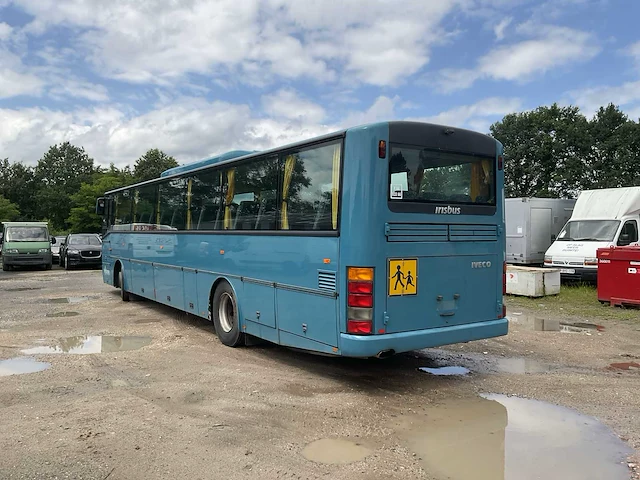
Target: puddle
444, 362
22, 289
69, 300
63, 314
445, 371
335, 451
625, 366
91, 344
495, 437
21, 365
550, 325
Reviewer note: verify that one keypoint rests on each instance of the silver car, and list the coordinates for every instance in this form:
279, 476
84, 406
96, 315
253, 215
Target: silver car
55, 249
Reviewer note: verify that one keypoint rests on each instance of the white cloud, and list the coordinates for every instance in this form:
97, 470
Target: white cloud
383, 109
249, 41
288, 104
591, 99
553, 48
188, 128
499, 29
15, 79
634, 52
74, 88
477, 116
5, 31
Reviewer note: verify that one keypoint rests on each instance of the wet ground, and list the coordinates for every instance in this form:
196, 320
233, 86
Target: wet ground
94, 388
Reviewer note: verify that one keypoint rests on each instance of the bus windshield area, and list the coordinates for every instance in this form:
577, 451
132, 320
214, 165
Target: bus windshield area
589, 231
424, 175
26, 234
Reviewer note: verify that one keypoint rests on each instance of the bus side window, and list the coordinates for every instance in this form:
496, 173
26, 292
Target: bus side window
310, 188
251, 190
206, 198
145, 204
122, 210
173, 205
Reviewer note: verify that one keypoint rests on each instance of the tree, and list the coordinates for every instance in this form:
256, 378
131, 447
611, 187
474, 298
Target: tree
82, 216
545, 151
152, 164
8, 211
614, 160
60, 173
17, 184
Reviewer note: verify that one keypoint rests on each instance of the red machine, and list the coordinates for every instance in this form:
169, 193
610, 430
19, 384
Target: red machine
619, 275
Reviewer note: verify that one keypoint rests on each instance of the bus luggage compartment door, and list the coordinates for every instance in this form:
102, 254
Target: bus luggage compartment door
431, 292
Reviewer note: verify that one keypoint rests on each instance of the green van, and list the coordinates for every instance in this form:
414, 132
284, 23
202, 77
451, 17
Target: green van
26, 243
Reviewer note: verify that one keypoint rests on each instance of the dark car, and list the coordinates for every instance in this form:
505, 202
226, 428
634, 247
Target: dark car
81, 249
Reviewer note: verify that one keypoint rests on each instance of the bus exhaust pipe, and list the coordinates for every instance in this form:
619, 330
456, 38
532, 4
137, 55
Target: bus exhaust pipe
385, 354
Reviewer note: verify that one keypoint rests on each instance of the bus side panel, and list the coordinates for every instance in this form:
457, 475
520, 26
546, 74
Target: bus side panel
169, 288
259, 303
190, 291
142, 279
308, 316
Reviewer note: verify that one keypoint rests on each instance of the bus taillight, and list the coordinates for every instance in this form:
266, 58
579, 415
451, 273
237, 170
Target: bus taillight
382, 149
359, 300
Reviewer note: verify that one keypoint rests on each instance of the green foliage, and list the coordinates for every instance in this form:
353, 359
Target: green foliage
17, 184
82, 216
152, 164
544, 151
59, 174
8, 211
556, 152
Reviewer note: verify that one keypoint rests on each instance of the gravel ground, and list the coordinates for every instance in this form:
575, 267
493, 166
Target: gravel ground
185, 406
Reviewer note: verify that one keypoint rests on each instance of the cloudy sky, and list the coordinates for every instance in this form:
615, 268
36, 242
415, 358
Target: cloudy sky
200, 77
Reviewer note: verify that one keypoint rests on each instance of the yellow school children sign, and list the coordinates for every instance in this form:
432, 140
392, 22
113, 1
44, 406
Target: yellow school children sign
403, 276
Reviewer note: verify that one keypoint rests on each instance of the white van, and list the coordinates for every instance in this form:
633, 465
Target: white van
600, 219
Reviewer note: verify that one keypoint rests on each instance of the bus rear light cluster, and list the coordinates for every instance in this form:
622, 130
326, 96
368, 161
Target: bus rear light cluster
359, 300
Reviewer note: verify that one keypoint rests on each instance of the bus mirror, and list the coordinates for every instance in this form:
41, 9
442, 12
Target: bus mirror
100, 203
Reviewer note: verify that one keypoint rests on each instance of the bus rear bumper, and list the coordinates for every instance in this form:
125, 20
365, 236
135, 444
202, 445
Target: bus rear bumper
373, 345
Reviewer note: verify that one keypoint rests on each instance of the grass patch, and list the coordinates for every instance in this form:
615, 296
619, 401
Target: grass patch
573, 300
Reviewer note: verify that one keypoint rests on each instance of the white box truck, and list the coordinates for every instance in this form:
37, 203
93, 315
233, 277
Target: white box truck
601, 218
532, 224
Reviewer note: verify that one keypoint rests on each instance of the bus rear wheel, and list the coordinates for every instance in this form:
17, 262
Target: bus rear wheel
123, 293
224, 309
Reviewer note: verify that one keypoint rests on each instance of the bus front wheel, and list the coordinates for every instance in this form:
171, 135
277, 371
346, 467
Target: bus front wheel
123, 293
224, 309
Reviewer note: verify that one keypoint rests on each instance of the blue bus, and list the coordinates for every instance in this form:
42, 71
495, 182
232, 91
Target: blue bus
367, 242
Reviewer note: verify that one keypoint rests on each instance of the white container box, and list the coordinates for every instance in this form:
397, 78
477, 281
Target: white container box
532, 281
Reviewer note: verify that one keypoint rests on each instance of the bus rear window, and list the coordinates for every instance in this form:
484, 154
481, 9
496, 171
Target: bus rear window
429, 176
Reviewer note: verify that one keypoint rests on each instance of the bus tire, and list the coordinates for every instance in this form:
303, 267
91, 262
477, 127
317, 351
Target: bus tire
224, 310
123, 293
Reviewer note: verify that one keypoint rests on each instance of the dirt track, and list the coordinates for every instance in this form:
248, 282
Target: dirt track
185, 406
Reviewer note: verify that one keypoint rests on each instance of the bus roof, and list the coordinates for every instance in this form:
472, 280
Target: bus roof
236, 155
206, 162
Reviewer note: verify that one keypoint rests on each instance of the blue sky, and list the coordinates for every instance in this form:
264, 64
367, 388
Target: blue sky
200, 77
